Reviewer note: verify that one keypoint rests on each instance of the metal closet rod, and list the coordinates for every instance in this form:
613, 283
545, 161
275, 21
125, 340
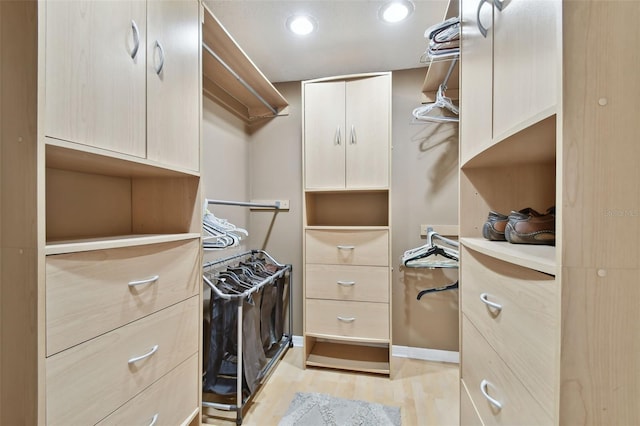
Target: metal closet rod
240, 79
276, 205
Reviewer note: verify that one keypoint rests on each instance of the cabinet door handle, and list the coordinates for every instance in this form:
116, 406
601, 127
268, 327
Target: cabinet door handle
345, 319
147, 355
481, 28
346, 283
500, 4
484, 385
161, 54
346, 247
154, 420
484, 297
151, 280
337, 138
136, 39
353, 134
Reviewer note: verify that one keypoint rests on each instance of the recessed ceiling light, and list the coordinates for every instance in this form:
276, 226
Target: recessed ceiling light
301, 24
395, 11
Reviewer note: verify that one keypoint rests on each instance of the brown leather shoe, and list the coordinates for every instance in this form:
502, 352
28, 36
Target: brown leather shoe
493, 228
527, 226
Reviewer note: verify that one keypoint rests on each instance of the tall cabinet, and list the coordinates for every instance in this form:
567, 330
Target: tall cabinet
101, 212
346, 155
550, 333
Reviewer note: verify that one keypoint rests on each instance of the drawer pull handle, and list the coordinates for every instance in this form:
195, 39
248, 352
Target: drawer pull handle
136, 39
154, 420
346, 247
483, 388
147, 355
345, 319
486, 301
153, 279
346, 283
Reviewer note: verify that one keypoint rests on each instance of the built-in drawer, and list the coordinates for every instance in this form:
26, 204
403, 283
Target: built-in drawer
468, 414
363, 320
87, 382
498, 395
352, 247
91, 293
345, 282
169, 401
515, 309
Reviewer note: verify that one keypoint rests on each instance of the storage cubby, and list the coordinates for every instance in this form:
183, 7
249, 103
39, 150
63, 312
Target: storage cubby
352, 208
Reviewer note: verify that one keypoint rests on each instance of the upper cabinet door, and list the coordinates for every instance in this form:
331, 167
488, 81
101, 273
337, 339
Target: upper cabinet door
173, 85
476, 75
95, 73
324, 135
368, 104
525, 59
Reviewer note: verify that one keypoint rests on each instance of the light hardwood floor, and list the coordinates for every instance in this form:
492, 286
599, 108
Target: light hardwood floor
427, 392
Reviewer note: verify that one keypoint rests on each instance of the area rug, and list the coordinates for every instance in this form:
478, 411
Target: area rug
318, 409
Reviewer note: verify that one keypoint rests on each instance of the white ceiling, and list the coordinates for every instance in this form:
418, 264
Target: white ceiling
350, 38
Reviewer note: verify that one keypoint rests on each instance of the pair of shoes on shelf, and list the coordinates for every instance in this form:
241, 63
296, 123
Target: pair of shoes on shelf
525, 226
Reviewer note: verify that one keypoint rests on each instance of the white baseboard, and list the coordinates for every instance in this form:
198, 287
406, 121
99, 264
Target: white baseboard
409, 352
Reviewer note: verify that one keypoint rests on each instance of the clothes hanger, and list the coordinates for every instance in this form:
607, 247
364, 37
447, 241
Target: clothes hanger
442, 102
451, 286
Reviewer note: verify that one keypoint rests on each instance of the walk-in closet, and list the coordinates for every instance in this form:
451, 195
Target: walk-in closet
282, 212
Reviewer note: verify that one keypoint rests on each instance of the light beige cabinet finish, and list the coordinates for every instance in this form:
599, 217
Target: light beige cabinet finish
346, 282
90, 293
351, 247
125, 77
586, 166
359, 321
89, 381
346, 139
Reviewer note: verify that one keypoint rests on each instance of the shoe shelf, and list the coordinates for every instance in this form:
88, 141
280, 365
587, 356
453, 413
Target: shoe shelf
538, 257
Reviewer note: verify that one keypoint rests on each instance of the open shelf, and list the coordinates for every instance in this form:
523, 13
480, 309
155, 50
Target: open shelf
232, 79
88, 244
538, 257
343, 356
347, 208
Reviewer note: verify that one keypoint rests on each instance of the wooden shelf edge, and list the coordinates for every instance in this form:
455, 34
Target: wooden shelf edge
344, 356
537, 257
346, 228
229, 68
89, 244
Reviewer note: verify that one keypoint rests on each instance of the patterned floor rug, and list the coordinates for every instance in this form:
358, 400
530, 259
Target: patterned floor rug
317, 409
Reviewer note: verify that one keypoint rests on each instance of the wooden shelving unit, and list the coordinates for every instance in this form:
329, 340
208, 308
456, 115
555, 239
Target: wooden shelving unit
232, 79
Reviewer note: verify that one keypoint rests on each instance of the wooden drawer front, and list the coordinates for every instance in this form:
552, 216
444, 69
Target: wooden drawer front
365, 320
480, 363
88, 293
343, 282
524, 331
171, 400
89, 381
348, 247
468, 414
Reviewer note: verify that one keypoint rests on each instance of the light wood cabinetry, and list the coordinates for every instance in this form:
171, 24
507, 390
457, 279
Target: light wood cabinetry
101, 301
125, 77
346, 138
548, 332
347, 297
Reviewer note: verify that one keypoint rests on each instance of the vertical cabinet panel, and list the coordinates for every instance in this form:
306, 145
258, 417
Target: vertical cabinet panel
324, 130
173, 81
95, 89
368, 104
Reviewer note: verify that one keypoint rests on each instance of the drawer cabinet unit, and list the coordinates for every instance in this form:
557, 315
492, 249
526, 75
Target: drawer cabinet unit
346, 154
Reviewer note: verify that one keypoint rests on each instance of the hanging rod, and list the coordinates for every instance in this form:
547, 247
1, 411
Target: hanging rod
276, 205
240, 79
451, 67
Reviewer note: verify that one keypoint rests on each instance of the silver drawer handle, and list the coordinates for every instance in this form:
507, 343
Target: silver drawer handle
136, 39
153, 279
154, 420
483, 388
486, 301
345, 319
346, 283
346, 247
147, 355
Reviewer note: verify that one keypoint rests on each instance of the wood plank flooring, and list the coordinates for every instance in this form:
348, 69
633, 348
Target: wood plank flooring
427, 392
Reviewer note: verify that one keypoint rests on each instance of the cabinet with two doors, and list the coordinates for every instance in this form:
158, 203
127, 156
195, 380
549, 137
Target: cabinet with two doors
347, 292
107, 315
542, 124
